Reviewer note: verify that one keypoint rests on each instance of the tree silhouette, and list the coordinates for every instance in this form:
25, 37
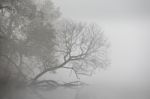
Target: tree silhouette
34, 42
80, 48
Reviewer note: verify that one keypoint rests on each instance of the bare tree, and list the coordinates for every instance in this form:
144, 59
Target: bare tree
79, 47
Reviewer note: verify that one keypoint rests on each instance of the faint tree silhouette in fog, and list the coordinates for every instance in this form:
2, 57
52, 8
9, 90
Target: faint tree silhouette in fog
79, 47
34, 42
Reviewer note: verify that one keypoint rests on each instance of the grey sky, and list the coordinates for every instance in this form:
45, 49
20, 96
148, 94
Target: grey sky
126, 24
103, 8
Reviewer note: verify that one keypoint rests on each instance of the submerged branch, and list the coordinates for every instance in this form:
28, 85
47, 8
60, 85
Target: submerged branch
49, 69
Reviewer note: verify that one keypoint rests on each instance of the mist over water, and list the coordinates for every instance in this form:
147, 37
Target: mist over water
126, 24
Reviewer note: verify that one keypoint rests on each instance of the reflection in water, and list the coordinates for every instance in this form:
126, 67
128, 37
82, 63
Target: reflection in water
90, 92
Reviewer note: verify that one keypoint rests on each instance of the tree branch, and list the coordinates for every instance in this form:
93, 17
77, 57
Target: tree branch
71, 68
47, 70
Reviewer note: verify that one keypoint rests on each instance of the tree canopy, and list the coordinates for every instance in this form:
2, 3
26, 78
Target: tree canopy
35, 40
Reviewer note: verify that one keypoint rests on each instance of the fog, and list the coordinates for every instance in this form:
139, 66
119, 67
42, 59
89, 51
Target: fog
126, 24
46, 54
